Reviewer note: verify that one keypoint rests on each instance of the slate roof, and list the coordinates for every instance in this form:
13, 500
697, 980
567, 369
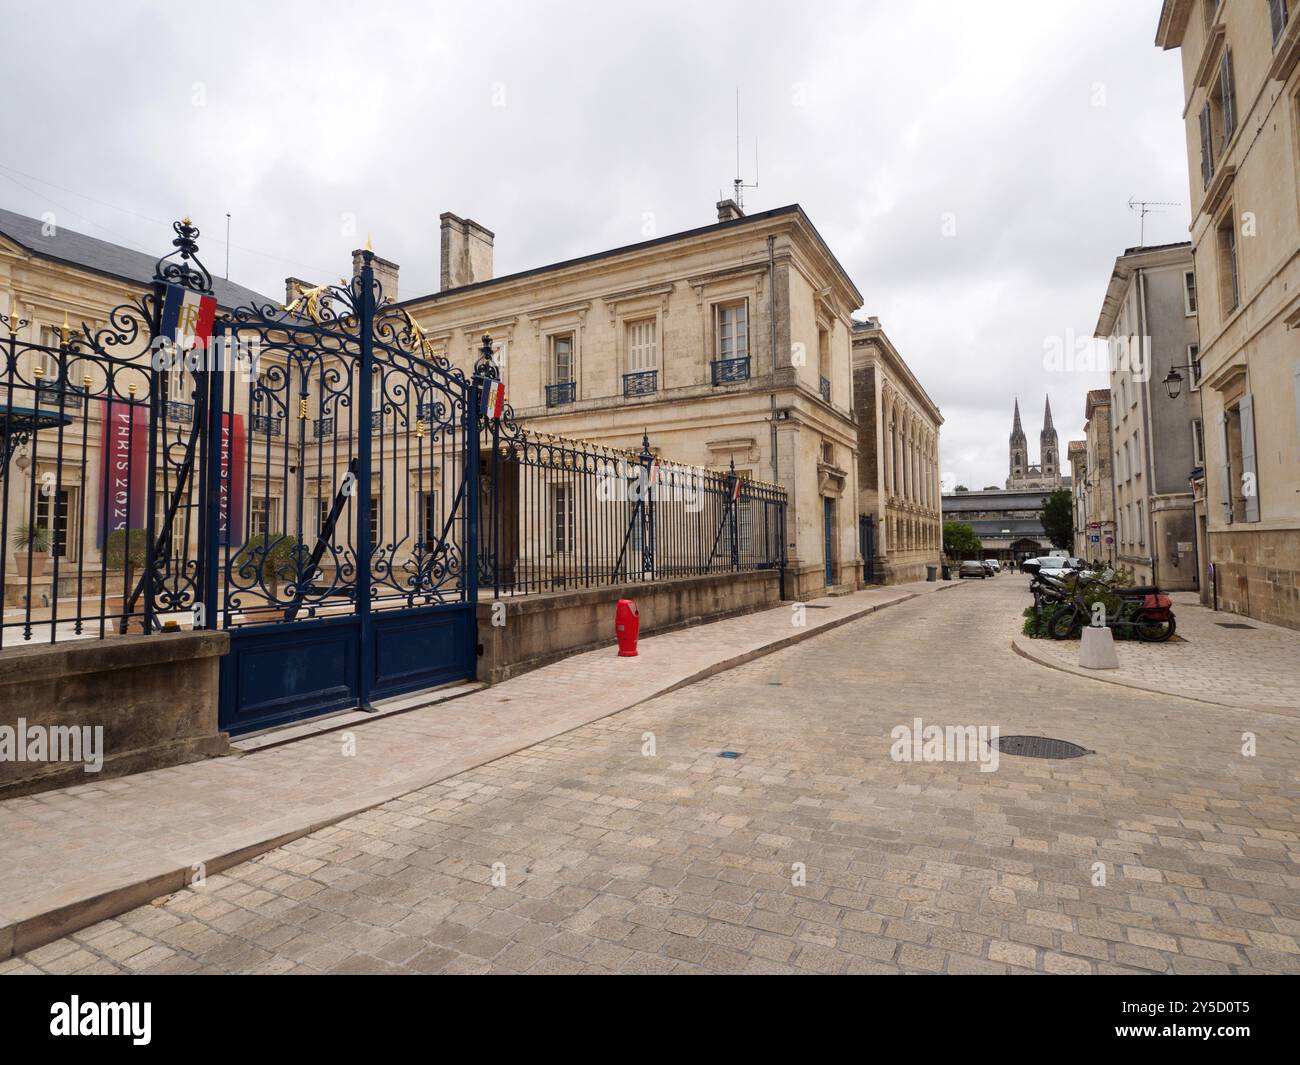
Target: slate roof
111, 260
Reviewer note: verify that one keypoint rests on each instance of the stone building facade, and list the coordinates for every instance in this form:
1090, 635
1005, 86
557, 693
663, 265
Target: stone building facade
1148, 320
1241, 91
726, 344
898, 485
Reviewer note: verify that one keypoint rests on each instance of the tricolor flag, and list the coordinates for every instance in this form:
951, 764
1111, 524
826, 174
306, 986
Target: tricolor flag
187, 317
494, 398
735, 488
654, 472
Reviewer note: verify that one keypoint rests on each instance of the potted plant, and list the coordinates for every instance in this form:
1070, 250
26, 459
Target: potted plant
31, 548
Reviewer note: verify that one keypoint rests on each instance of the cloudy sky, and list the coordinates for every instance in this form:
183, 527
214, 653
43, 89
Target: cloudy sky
970, 164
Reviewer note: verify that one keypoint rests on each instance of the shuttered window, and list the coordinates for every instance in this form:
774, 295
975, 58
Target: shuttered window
1207, 147
642, 346
1225, 469
1277, 14
562, 359
1228, 95
1249, 473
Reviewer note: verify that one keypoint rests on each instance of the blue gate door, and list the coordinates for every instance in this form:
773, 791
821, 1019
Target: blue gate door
342, 504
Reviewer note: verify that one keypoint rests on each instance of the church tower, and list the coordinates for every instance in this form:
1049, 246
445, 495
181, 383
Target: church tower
1047, 447
1019, 449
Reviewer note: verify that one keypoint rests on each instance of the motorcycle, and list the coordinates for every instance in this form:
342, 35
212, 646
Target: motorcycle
1144, 608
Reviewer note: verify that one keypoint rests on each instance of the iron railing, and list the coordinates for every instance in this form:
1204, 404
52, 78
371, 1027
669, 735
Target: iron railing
562, 514
644, 383
564, 392
728, 371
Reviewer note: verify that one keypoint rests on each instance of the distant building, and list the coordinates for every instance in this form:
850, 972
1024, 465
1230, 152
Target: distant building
1148, 319
1047, 473
1095, 493
898, 460
1008, 523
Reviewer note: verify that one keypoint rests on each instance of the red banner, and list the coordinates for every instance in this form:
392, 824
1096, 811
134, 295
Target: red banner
123, 478
230, 489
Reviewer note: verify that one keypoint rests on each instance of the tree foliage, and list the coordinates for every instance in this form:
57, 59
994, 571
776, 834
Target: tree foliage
1058, 519
959, 539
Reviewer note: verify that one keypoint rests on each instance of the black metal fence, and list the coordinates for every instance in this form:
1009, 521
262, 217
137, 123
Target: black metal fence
561, 514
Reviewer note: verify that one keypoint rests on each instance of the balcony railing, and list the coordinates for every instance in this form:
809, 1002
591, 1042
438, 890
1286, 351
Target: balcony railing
825, 385
558, 395
265, 423
179, 413
727, 371
54, 393
644, 383
322, 428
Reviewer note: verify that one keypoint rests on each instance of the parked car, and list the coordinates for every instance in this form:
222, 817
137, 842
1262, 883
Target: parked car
1058, 564
973, 569
994, 565
988, 567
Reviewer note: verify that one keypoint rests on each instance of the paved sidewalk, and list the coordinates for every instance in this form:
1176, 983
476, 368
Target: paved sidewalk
74, 856
1252, 668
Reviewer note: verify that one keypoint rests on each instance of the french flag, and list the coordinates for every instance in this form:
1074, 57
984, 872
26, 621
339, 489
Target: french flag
494, 399
187, 317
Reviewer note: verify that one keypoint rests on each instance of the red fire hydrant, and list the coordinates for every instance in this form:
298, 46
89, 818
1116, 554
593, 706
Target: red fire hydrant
627, 623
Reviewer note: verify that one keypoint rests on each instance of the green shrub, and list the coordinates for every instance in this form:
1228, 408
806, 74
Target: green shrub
277, 564
125, 546
32, 538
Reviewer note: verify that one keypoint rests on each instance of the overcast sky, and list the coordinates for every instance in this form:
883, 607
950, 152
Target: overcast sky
1027, 126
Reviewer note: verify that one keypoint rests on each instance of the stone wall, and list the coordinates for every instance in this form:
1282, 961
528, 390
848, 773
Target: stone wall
1258, 574
155, 699
536, 630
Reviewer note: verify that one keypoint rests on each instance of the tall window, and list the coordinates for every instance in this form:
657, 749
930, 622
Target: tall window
562, 359
1222, 104
1189, 293
642, 346
263, 516
1277, 13
733, 330
1229, 280
1141, 525
431, 525
52, 512
561, 519
1198, 442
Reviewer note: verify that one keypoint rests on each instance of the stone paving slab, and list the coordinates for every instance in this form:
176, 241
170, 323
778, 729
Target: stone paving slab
1256, 668
1166, 850
75, 856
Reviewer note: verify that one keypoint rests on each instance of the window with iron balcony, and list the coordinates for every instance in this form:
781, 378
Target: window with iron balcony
563, 388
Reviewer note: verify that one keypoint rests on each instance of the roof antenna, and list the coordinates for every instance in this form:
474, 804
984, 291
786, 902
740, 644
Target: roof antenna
1144, 208
739, 184
227, 245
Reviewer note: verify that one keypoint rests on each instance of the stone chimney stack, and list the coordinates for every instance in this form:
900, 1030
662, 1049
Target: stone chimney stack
384, 270
293, 287
466, 251
729, 210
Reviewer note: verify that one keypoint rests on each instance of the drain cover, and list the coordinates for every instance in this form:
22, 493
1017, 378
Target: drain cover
1040, 747
1233, 625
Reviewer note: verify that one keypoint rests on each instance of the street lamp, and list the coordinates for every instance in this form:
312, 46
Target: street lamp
1173, 383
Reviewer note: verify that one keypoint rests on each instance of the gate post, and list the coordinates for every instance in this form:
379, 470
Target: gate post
365, 320
649, 474
210, 391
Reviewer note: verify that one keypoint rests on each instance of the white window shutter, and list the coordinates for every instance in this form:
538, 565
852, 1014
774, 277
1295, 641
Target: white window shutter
1249, 474
1225, 468
1207, 149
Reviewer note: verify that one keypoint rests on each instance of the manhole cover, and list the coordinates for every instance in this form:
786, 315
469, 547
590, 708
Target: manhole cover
1233, 625
1039, 747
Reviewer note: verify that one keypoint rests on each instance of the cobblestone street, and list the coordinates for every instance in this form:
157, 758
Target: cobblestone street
589, 853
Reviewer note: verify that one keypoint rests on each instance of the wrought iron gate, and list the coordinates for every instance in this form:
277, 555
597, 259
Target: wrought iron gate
340, 551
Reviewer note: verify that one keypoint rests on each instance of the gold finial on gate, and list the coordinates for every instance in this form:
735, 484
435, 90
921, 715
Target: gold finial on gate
419, 428
302, 410
131, 389
66, 331
85, 382
38, 371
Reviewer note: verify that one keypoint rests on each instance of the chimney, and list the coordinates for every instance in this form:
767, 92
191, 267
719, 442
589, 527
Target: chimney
384, 270
466, 251
293, 287
729, 210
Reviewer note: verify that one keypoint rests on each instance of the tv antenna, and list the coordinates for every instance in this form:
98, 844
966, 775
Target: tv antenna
739, 184
1144, 208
